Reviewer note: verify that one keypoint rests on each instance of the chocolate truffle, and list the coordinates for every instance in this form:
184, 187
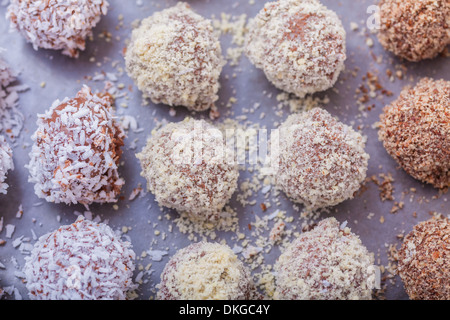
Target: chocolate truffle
6, 163
300, 45
187, 168
322, 161
414, 30
80, 261
76, 151
175, 58
205, 271
424, 260
415, 130
326, 263
56, 24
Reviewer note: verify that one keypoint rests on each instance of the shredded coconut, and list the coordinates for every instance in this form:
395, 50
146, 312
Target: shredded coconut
76, 151
6, 163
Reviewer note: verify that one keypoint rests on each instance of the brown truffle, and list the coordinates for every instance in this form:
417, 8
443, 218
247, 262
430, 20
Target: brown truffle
415, 130
414, 30
424, 260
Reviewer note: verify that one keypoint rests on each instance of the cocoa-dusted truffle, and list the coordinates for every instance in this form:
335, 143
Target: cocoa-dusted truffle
57, 24
424, 260
326, 263
322, 161
76, 151
80, 261
187, 168
415, 130
175, 58
6, 163
205, 271
414, 30
300, 45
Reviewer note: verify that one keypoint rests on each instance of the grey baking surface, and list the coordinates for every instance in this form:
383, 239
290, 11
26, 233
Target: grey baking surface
64, 76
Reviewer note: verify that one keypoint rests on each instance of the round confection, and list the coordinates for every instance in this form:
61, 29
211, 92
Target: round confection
76, 151
414, 30
415, 131
80, 261
205, 271
188, 168
6, 163
300, 45
322, 161
424, 260
326, 263
175, 58
56, 24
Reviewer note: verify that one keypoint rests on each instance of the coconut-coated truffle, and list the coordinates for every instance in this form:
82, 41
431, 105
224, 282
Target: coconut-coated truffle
414, 30
205, 271
415, 130
56, 24
188, 168
6, 163
322, 161
300, 45
424, 260
76, 151
175, 58
326, 263
80, 261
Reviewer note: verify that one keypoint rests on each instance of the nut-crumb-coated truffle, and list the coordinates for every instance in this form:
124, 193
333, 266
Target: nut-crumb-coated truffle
6, 163
175, 58
326, 263
414, 30
57, 24
300, 45
424, 260
76, 151
187, 168
80, 261
205, 271
415, 130
322, 161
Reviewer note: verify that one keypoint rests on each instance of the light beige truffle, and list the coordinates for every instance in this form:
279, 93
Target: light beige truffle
322, 161
188, 168
326, 263
205, 271
414, 30
300, 45
175, 58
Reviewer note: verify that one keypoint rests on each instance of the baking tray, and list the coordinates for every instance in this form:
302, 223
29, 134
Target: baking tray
152, 230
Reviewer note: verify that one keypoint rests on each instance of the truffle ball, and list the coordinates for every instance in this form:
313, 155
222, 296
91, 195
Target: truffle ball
415, 130
81, 261
175, 58
76, 151
326, 263
188, 168
6, 163
56, 24
424, 260
300, 45
322, 161
205, 271
414, 30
